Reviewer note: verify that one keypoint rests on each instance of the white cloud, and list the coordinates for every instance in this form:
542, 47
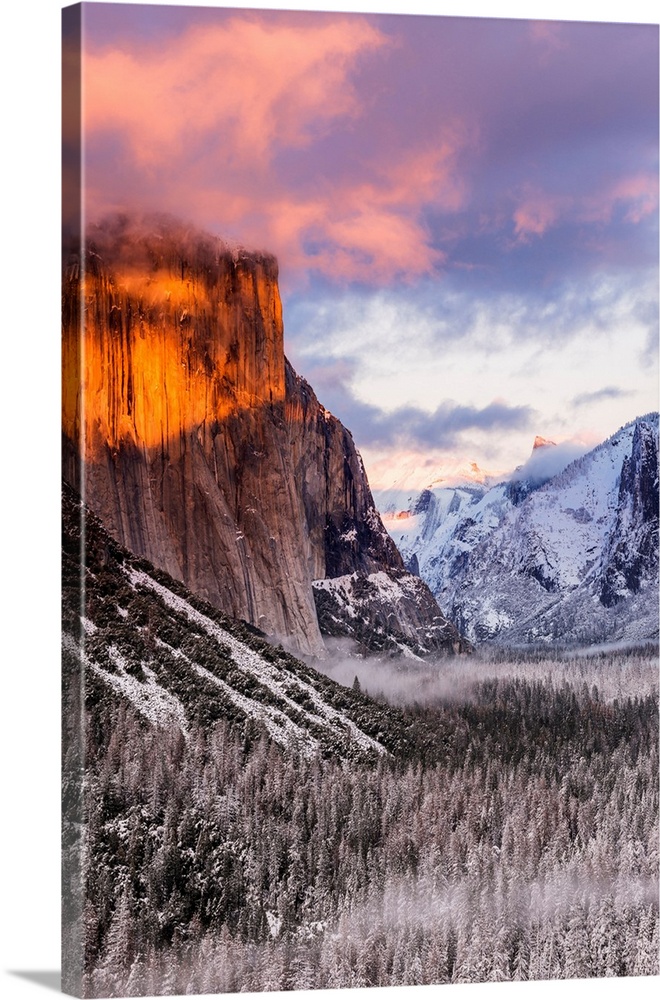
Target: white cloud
429, 350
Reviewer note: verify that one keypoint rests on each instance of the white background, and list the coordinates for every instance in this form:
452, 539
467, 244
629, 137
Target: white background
29, 487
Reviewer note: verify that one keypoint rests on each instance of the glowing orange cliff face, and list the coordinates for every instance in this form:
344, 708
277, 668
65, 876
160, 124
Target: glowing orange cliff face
195, 442
174, 418
151, 354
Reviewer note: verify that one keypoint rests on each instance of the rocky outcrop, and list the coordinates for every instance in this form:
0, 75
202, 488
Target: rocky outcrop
385, 613
631, 559
196, 443
342, 523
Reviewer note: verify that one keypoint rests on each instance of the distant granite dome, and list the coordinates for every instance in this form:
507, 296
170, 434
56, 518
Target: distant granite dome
541, 442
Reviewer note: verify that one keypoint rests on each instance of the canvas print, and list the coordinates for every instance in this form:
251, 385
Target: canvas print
360, 500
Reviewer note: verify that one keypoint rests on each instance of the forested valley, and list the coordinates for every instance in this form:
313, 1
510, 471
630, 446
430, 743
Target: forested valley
225, 863
236, 821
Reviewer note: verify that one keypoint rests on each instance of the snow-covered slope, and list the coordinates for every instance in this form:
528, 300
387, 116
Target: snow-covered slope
435, 529
573, 559
143, 640
389, 613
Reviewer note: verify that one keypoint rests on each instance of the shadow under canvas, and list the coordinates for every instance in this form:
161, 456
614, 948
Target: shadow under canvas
50, 979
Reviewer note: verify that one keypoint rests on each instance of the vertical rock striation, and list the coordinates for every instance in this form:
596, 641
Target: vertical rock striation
631, 557
193, 439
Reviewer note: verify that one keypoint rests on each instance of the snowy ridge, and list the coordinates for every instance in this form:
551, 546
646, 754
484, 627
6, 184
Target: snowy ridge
572, 559
378, 612
151, 700
389, 589
277, 681
283, 729
441, 525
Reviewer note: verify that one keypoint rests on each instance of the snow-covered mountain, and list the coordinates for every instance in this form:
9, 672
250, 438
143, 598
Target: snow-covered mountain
572, 557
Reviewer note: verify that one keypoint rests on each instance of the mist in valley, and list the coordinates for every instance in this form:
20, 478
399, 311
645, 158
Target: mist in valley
610, 670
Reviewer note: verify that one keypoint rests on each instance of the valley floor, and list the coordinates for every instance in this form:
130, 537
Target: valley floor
524, 846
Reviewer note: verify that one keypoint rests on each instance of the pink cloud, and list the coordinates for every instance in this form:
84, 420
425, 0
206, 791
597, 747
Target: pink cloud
538, 211
549, 38
535, 214
352, 231
637, 194
429, 173
201, 122
247, 84
374, 229
367, 147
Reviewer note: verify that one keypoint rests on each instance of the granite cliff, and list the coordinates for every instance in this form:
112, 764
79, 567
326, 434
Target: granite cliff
192, 438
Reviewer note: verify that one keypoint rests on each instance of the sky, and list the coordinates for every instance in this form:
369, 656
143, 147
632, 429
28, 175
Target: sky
464, 210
